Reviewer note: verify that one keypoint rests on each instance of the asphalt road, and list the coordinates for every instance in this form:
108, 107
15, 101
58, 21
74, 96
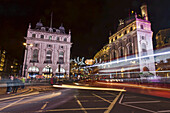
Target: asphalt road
83, 101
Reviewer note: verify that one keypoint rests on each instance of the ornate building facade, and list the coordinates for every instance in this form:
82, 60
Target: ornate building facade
47, 51
163, 45
130, 49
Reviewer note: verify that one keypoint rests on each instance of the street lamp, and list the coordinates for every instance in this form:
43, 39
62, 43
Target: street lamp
49, 70
26, 48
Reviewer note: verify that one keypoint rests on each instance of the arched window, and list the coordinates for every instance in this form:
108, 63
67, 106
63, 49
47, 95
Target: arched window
141, 26
144, 51
131, 29
33, 69
125, 32
61, 57
48, 56
114, 54
116, 38
35, 55
121, 52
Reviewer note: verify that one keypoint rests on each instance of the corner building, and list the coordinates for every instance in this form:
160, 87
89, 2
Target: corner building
49, 54
133, 40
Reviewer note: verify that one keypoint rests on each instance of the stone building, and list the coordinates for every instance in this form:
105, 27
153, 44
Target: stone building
128, 48
163, 38
8, 65
162, 46
47, 51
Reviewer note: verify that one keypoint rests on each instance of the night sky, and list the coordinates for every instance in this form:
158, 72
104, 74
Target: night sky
89, 20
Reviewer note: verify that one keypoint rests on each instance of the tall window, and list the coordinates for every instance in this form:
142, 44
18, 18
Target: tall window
50, 37
42, 36
130, 49
61, 57
33, 35
114, 54
58, 38
65, 39
35, 55
48, 55
141, 26
121, 52
144, 51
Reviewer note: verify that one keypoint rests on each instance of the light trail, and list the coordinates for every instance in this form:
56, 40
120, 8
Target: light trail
135, 58
88, 88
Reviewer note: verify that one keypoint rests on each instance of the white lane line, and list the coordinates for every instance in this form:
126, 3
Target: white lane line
139, 108
19, 96
120, 102
141, 102
11, 104
80, 104
164, 111
101, 98
44, 106
74, 109
113, 103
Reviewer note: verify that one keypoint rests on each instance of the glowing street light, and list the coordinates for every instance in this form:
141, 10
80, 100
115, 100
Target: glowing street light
26, 48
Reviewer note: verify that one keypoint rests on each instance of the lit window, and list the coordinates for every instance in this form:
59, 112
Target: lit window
61, 57
48, 55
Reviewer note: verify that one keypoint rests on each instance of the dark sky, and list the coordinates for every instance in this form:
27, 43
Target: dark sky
89, 20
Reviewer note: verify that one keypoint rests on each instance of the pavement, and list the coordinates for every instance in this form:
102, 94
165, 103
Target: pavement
28, 89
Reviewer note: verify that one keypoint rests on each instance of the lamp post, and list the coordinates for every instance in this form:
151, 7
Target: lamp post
26, 48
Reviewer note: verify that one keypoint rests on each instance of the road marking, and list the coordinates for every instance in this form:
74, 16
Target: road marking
42, 97
113, 103
74, 109
19, 96
11, 104
80, 105
111, 93
120, 102
139, 108
101, 98
141, 102
164, 111
85, 87
44, 106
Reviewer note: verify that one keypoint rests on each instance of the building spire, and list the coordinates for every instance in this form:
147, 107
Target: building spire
51, 20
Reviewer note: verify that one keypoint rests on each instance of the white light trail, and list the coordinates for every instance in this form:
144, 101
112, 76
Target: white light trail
135, 58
